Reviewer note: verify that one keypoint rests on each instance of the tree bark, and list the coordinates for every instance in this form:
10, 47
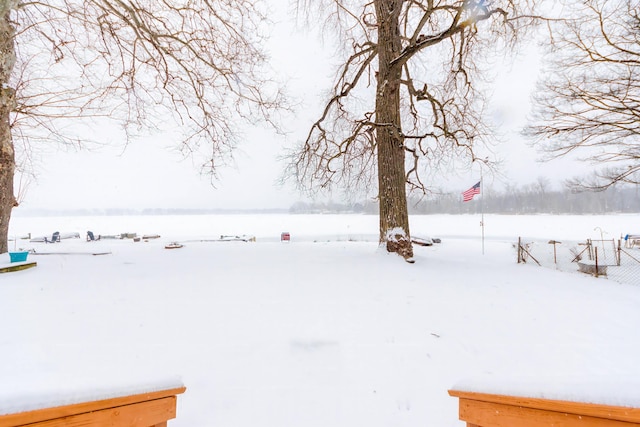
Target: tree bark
394, 216
7, 100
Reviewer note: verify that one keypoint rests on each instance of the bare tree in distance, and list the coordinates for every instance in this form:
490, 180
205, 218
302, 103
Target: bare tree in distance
193, 68
407, 97
588, 103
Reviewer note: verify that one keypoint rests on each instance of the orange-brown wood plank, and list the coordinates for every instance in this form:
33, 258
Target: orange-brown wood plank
143, 414
489, 414
17, 267
619, 413
30, 417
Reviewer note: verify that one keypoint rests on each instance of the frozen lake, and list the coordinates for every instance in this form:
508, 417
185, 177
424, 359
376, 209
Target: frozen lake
308, 227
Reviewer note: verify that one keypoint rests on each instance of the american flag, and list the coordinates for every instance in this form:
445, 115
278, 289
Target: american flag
468, 195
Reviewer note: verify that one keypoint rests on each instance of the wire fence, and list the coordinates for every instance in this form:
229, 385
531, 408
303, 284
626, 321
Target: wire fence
615, 260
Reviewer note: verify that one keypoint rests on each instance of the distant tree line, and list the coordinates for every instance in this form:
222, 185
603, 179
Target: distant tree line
526, 199
35, 212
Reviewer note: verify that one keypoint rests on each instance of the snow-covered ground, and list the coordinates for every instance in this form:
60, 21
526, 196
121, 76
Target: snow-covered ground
324, 330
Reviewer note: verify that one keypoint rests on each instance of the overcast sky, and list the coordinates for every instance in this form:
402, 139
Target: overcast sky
150, 174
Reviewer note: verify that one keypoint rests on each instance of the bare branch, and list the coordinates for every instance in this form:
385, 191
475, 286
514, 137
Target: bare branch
432, 34
193, 69
141, 62
592, 107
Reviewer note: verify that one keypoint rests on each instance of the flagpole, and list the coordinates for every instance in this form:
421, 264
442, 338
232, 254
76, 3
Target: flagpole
482, 207
468, 195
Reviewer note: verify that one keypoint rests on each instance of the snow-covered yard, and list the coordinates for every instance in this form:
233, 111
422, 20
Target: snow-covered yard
323, 330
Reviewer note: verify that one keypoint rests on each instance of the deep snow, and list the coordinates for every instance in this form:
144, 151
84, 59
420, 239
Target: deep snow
324, 330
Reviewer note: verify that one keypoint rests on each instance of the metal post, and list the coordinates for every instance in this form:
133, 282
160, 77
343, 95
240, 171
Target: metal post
482, 207
619, 252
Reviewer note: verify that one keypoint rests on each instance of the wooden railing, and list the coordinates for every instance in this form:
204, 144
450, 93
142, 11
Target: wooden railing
492, 410
141, 410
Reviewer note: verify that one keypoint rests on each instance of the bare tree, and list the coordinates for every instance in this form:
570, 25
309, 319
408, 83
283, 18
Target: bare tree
7, 101
589, 98
407, 98
196, 66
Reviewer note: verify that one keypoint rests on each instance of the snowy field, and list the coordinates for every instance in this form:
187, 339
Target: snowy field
326, 330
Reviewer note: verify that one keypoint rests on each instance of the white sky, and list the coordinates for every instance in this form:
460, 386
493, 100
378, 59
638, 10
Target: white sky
148, 174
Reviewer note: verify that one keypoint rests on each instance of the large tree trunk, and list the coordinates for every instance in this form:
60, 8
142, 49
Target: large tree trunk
7, 99
394, 216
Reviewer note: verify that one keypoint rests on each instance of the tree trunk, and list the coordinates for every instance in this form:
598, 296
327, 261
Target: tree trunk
7, 100
394, 216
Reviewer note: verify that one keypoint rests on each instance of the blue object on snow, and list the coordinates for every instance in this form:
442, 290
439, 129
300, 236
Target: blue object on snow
18, 256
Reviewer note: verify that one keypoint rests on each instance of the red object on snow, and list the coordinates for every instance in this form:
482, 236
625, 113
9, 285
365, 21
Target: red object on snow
285, 237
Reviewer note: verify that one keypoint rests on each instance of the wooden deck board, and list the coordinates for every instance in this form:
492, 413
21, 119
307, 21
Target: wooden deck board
491, 410
129, 411
17, 266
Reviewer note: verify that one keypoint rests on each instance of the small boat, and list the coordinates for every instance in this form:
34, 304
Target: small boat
174, 245
422, 241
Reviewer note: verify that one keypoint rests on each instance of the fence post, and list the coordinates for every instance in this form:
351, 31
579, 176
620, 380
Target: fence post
596, 252
554, 243
619, 253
